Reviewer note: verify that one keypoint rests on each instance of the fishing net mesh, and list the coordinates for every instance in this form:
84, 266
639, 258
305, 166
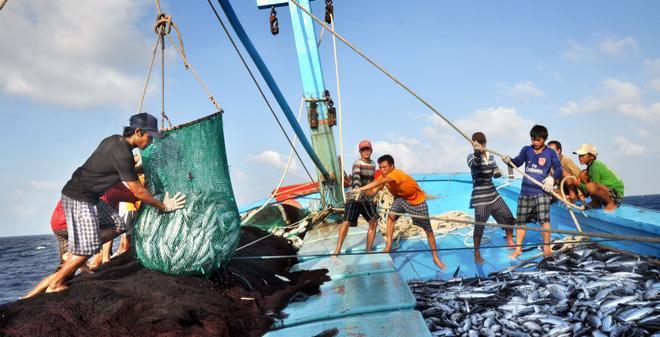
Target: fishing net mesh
203, 235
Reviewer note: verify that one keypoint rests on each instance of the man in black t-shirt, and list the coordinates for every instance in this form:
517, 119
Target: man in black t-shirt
91, 222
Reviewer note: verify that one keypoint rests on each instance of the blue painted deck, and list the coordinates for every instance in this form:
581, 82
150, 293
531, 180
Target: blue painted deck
368, 294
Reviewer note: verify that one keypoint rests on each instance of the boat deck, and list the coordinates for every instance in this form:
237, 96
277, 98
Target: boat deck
368, 295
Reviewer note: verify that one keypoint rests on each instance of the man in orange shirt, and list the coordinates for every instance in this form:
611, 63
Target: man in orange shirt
408, 198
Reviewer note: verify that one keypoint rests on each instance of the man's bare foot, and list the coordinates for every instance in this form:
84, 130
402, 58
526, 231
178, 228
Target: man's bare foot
610, 208
547, 252
387, 250
57, 289
335, 253
439, 264
516, 253
510, 244
478, 259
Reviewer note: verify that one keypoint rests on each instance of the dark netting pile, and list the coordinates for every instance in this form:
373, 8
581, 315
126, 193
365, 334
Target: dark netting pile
202, 236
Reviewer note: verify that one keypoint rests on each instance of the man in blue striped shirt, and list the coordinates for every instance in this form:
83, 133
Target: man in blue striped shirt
485, 200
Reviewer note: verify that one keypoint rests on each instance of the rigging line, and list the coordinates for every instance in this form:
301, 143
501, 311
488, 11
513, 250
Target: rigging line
146, 82
263, 95
288, 164
2, 4
195, 74
636, 238
341, 136
423, 101
534, 244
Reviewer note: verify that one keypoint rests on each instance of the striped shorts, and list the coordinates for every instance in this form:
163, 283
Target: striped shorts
533, 209
498, 209
400, 205
354, 208
84, 223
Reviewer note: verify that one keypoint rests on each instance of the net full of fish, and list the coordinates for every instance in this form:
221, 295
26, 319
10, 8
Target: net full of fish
582, 292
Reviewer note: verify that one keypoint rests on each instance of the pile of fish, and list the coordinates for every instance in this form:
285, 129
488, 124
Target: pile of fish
585, 291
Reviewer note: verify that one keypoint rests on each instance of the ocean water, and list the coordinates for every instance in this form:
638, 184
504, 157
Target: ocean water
25, 260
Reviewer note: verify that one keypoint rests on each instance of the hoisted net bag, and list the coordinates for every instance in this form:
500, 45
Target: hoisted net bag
203, 235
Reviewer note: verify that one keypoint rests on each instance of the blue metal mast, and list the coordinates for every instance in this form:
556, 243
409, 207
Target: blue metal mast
314, 92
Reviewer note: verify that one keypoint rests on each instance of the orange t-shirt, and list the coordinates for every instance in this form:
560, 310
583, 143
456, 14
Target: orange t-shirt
404, 186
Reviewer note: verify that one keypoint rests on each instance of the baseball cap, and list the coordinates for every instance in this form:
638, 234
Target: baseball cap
147, 123
364, 144
586, 148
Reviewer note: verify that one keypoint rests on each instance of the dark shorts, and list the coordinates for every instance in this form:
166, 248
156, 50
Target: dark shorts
62, 237
400, 205
533, 209
498, 209
354, 209
615, 196
84, 223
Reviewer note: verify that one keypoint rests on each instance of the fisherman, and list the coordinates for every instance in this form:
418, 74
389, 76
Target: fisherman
570, 169
408, 198
598, 180
362, 174
116, 194
59, 227
91, 222
534, 201
485, 200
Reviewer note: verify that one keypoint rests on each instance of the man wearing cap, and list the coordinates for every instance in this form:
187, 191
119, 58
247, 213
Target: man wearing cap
91, 222
362, 174
598, 180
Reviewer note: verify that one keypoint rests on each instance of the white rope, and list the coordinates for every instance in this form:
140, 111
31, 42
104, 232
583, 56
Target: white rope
286, 169
146, 81
341, 135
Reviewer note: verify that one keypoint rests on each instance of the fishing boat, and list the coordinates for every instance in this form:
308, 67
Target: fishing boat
370, 293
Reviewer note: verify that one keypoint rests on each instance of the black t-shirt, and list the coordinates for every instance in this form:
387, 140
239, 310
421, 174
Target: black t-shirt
111, 162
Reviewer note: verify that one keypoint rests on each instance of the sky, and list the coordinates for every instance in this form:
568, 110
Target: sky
72, 72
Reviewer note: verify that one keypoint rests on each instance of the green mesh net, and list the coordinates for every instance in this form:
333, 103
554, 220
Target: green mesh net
202, 236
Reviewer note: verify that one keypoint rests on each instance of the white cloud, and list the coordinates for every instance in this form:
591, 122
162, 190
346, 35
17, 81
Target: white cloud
619, 97
655, 84
270, 158
521, 90
643, 132
577, 52
654, 65
439, 148
618, 46
74, 53
625, 147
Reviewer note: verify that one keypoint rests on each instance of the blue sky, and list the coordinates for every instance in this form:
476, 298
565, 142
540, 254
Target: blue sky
72, 72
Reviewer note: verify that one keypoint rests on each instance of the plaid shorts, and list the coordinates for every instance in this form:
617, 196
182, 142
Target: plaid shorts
533, 209
353, 209
84, 223
498, 209
400, 205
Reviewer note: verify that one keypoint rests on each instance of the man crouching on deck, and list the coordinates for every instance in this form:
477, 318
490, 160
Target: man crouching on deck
91, 222
408, 198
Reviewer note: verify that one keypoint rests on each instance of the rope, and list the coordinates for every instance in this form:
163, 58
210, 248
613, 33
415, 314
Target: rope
341, 135
295, 224
271, 257
146, 82
263, 95
563, 194
636, 238
2, 4
423, 101
286, 169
